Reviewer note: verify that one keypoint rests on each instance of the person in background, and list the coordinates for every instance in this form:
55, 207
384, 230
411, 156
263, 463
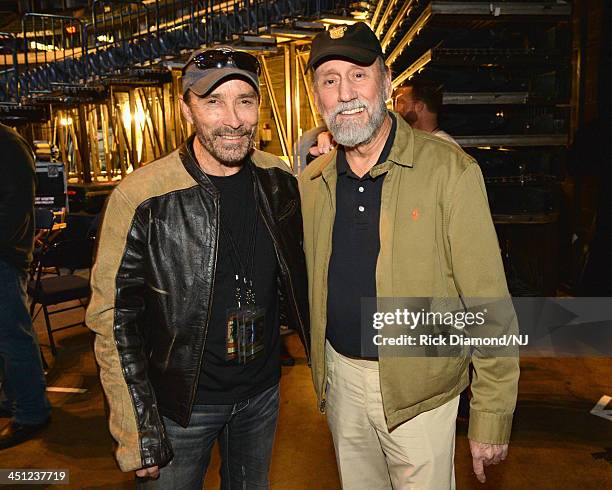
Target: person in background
200, 256
393, 212
306, 147
25, 402
419, 102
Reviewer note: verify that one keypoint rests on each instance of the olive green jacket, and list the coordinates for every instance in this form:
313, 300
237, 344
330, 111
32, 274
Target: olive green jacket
436, 240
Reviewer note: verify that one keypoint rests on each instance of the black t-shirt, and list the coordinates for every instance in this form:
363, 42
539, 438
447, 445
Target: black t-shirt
222, 381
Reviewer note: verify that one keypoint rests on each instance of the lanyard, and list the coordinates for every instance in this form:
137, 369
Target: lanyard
243, 272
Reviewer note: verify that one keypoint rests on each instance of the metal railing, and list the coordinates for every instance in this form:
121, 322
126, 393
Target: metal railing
53, 50
59, 52
9, 78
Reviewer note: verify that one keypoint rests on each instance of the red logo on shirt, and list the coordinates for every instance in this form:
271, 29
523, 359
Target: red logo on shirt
415, 214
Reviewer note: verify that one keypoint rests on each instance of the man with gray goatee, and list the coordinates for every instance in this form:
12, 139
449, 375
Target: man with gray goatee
395, 212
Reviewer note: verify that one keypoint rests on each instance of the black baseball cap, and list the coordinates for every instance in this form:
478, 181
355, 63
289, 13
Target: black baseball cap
356, 43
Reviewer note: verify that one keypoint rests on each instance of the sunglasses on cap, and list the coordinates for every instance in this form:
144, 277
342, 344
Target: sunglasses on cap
224, 58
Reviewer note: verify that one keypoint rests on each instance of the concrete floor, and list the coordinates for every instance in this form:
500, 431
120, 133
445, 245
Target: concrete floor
557, 443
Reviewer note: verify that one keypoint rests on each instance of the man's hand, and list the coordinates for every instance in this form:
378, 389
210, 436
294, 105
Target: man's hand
325, 143
152, 472
485, 455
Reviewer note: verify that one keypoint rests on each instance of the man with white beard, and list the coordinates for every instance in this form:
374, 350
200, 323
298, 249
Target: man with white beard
393, 212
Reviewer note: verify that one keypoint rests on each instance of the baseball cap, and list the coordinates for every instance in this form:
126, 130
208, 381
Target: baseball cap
205, 68
356, 42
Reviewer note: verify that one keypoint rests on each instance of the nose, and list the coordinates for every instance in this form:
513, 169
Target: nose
231, 118
347, 91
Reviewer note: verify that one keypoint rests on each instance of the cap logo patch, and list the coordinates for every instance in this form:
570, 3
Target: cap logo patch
337, 32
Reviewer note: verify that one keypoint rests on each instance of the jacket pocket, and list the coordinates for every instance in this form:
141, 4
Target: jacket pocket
160, 305
288, 210
157, 290
446, 372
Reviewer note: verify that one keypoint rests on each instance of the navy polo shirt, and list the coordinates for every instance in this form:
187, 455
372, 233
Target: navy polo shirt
355, 249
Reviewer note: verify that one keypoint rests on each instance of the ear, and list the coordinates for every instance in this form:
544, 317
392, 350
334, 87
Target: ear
388, 88
315, 96
186, 110
387, 83
419, 106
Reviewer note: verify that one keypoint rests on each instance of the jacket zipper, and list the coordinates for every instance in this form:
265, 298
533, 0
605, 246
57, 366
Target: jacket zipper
323, 401
210, 297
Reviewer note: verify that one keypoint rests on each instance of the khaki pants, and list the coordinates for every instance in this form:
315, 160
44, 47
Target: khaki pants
419, 454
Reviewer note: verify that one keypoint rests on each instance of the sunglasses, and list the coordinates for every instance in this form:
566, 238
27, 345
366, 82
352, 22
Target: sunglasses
223, 58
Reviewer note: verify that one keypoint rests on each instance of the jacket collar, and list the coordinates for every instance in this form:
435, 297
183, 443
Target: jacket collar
190, 162
402, 153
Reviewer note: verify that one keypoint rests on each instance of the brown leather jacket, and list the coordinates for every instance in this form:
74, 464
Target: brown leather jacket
152, 285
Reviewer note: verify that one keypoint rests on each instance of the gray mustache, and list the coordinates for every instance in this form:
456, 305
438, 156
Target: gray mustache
349, 106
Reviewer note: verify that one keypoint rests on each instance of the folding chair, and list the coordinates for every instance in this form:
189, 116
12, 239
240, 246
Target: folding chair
43, 221
76, 254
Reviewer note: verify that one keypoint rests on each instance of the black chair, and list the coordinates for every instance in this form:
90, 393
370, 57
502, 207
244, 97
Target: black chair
71, 255
43, 220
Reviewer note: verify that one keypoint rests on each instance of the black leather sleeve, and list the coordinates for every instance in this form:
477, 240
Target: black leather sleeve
130, 338
293, 290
